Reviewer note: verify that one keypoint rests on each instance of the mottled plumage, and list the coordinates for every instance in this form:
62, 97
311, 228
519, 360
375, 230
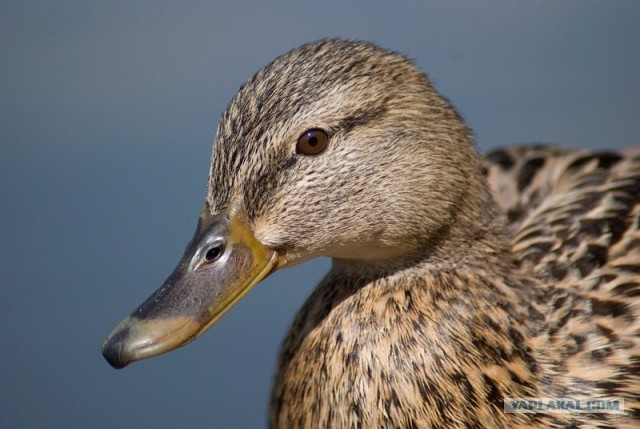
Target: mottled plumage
457, 281
437, 306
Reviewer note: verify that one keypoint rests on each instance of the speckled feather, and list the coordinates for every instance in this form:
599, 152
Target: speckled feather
447, 294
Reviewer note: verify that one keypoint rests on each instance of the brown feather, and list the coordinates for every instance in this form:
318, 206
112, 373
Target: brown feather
457, 281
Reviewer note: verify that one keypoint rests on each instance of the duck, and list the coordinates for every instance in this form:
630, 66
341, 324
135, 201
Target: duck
459, 283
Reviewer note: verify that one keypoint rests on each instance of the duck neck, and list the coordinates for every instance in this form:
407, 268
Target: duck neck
481, 271
469, 259
476, 234
467, 281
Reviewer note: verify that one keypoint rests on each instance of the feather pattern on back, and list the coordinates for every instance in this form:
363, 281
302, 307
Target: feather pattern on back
576, 222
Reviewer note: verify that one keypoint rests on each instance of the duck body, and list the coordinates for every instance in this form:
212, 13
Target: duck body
553, 316
457, 281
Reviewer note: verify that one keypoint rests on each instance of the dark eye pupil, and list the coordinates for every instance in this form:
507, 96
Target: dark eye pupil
313, 141
213, 253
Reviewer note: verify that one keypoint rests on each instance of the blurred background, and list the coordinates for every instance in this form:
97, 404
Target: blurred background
107, 114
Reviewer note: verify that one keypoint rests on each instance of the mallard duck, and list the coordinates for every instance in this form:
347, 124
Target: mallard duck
457, 281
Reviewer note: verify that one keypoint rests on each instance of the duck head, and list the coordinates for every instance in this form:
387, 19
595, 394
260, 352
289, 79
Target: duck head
338, 149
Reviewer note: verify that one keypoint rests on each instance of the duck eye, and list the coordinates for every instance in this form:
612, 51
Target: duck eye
312, 142
214, 252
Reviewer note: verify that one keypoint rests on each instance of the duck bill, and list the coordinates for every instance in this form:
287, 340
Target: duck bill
221, 264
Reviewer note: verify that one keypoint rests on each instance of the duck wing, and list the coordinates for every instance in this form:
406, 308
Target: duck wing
575, 220
571, 211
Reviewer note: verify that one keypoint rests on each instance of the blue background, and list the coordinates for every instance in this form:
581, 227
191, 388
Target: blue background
107, 113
